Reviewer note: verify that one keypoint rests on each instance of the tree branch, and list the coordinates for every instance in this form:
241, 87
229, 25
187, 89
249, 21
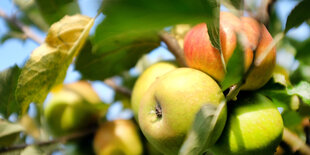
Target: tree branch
25, 29
174, 47
44, 143
295, 143
111, 83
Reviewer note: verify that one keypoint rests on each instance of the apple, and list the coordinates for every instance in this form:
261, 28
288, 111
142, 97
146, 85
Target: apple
71, 108
117, 137
254, 126
145, 80
169, 106
200, 54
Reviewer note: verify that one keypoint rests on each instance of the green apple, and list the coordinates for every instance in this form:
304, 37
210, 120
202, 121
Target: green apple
145, 80
117, 137
71, 108
254, 126
168, 108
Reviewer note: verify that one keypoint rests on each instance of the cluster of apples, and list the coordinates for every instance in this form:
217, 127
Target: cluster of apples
166, 98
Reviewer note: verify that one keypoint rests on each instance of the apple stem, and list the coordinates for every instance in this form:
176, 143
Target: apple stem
233, 92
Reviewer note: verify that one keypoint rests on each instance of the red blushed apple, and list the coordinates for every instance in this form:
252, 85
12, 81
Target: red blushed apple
257, 34
200, 54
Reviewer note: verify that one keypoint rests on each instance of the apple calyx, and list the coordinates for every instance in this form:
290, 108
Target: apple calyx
158, 110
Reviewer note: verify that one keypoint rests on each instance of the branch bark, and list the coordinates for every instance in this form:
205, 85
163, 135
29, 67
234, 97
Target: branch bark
44, 143
295, 143
25, 29
173, 47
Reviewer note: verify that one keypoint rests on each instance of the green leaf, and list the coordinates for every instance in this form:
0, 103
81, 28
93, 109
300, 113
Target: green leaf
31, 14
8, 83
277, 92
207, 128
112, 59
298, 15
9, 132
238, 4
130, 29
291, 119
214, 27
303, 48
54, 10
302, 90
279, 97
235, 67
140, 15
48, 64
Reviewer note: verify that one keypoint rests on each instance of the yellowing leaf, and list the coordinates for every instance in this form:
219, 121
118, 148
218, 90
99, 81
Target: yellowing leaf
67, 31
48, 64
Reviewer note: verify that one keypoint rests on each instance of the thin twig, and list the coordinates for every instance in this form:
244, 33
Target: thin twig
174, 47
25, 29
295, 143
44, 143
111, 83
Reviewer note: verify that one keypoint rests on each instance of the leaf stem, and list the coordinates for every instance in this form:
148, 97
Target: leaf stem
25, 29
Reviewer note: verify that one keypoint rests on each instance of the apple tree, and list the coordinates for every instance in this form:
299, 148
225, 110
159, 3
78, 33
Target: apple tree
232, 79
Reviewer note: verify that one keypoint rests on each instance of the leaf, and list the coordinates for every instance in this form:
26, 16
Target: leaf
235, 67
298, 15
280, 75
8, 83
130, 29
30, 126
9, 132
291, 119
114, 59
238, 4
206, 129
32, 150
302, 90
279, 97
31, 14
214, 26
52, 10
48, 64
123, 16
302, 49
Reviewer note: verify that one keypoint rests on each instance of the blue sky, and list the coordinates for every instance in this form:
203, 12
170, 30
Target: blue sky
15, 51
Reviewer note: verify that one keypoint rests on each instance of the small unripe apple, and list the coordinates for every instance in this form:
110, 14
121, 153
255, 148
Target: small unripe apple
200, 54
254, 126
71, 108
117, 137
169, 106
145, 80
